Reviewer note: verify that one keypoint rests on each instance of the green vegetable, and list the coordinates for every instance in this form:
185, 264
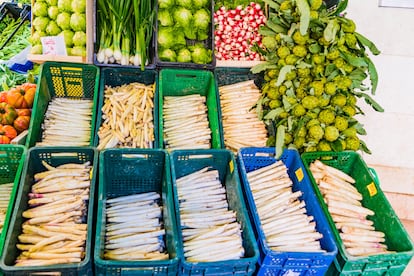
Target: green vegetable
65, 5
202, 19
183, 17
184, 55
52, 2
200, 54
188, 4
316, 67
40, 9
53, 12
168, 55
40, 23
165, 18
78, 51
52, 28
78, 22
166, 37
79, 39
166, 4
68, 37
78, 6
63, 20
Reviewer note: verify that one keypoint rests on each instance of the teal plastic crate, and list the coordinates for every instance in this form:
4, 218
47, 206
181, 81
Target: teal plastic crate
385, 219
184, 162
62, 80
277, 262
11, 163
116, 76
176, 82
54, 156
131, 171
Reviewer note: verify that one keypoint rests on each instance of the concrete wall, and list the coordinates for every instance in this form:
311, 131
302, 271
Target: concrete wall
390, 134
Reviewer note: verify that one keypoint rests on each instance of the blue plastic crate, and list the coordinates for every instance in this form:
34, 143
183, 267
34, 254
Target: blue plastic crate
282, 263
184, 162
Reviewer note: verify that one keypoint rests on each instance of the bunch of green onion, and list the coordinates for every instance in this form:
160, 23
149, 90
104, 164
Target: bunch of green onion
125, 28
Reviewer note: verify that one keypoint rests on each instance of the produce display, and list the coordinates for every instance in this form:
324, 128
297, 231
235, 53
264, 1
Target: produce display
186, 124
315, 70
127, 117
282, 214
184, 31
60, 17
15, 111
9, 78
55, 232
241, 126
210, 230
63, 127
5, 192
134, 228
18, 41
351, 218
236, 30
125, 30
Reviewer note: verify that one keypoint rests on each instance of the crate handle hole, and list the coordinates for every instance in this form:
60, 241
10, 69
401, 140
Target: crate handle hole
134, 156
264, 154
200, 156
186, 76
63, 154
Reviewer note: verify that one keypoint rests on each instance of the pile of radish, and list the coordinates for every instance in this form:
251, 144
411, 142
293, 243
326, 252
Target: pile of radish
186, 124
241, 125
67, 123
134, 228
236, 32
54, 232
210, 230
282, 214
344, 204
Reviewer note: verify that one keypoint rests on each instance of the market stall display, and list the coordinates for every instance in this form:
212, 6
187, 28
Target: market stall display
233, 225
127, 175
51, 227
278, 257
374, 207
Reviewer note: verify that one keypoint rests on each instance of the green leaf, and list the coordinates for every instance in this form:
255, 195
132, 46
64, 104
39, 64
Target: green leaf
286, 104
275, 27
314, 48
369, 101
360, 129
329, 69
280, 141
354, 60
272, 4
273, 114
336, 145
340, 7
331, 29
265, 31
263, 66
304, 12
364, 147
282, 74
367, 43
373, 75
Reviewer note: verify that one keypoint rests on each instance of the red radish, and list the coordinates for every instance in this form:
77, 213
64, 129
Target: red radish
236, 31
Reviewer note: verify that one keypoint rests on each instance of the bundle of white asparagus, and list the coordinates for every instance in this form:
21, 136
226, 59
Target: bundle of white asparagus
241, 125
134, 228
344, 204
283, 217
5, 192
55, 232
186, 124
127, 117
67, 123
210, 230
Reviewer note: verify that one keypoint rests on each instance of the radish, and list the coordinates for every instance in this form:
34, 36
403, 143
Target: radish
236, 32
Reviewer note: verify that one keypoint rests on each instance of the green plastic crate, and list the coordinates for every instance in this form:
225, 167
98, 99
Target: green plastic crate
176, 82
11, 163
55, 156
184, 162
385, 219
130, 171
67, 80
116, 76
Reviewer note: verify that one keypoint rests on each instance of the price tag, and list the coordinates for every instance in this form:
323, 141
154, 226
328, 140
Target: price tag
53, 45
372, 189
299, 174
231, 166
